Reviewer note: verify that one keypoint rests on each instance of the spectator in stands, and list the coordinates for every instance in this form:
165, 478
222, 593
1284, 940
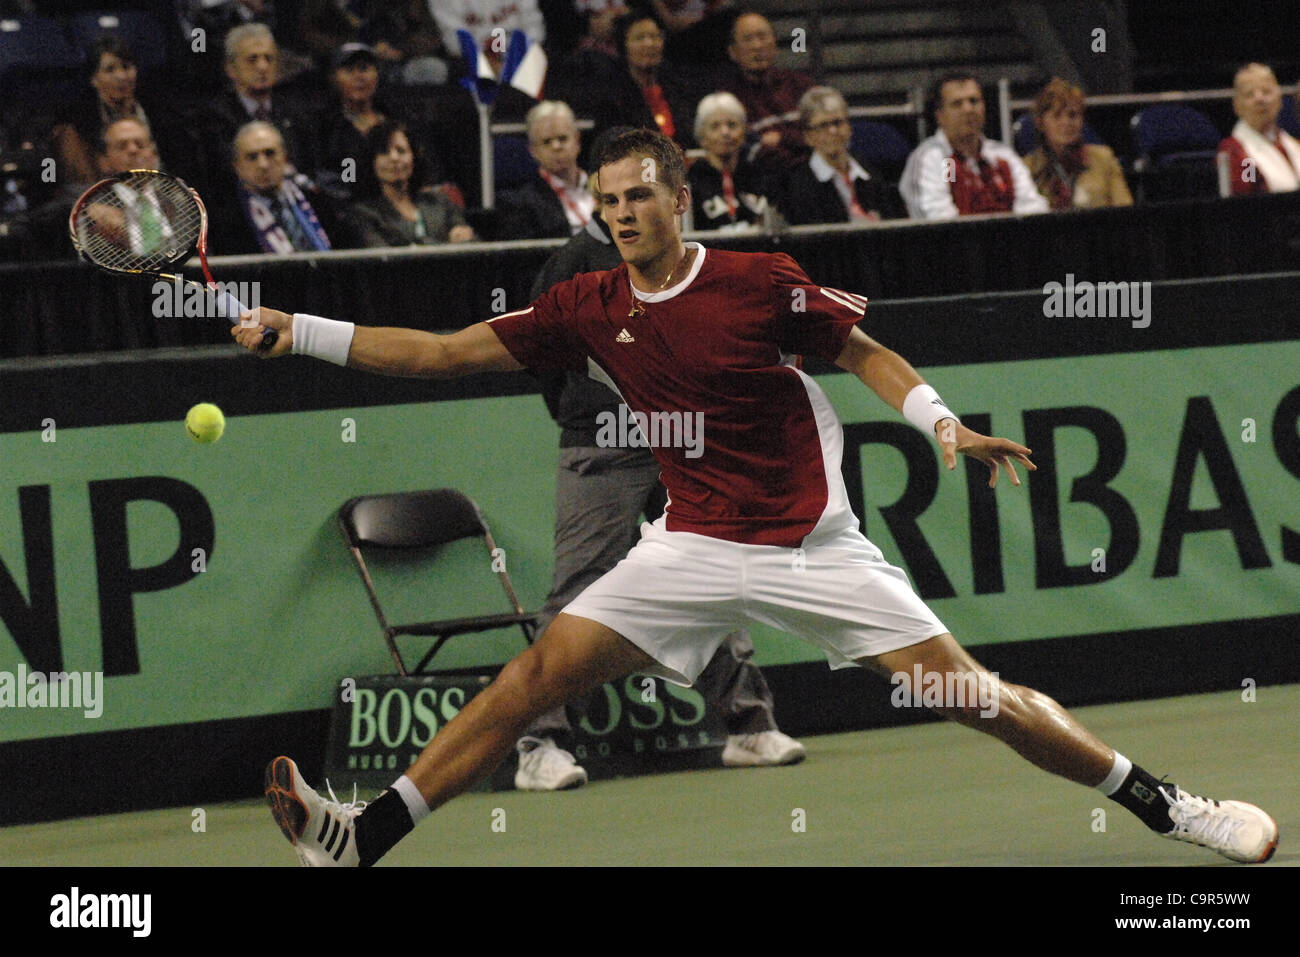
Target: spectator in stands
252, 65
342, 127
113, 75
727, 191
216, 18
832, 186
583, 77
1068, 172
1259, 156
600, 17
647, 95
271, 212
769, 94
397, 205
127, 144
959, 172
556, 202
697, 29
402, 33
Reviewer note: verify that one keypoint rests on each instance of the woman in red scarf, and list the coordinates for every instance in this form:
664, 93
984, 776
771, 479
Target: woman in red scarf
1067, 171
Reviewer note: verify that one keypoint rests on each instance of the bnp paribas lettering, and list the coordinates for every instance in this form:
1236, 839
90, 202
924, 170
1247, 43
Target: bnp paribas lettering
401, 717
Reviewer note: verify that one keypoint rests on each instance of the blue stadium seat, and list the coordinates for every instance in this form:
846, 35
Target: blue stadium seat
1024, 136
1289, 119
882, 146
38, 67
512, 164
1175, 152
146, 37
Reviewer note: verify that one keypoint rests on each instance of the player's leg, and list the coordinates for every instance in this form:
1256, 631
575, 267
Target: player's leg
598, 498
573, 656
1044, 733
843, 596
1033, 724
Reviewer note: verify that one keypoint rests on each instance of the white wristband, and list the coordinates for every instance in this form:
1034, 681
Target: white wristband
322, 338
923, 408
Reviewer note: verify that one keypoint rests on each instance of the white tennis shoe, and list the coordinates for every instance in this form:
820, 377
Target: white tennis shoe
544, 767
321, 831
1235, 829
766, 748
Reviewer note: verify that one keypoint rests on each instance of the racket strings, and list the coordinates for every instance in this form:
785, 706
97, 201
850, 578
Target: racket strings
143, 221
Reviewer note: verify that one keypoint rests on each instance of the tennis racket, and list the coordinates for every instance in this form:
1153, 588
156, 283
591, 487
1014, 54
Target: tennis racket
142, 222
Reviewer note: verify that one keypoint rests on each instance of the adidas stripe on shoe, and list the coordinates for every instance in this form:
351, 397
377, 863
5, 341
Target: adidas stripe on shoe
321, 831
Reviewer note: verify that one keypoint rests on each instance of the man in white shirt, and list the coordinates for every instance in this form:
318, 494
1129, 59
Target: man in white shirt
957, 171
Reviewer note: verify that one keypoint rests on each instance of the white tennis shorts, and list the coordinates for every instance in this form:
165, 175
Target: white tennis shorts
677, 595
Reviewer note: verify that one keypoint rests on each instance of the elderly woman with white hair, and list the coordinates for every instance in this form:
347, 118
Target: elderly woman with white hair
727, 191
833, 186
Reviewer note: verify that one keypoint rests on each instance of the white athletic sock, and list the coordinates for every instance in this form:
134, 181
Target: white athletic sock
1118, 772
416, 806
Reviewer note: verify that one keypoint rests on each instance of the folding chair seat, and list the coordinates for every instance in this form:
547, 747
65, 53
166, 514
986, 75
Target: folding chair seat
407, 522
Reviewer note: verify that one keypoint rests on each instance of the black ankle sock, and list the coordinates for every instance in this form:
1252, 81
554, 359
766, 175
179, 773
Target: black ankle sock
1138, 793
383, 823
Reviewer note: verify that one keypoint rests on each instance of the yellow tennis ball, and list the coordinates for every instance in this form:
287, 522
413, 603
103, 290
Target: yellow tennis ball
205, 423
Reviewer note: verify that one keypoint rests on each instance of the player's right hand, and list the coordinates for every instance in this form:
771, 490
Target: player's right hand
248, 331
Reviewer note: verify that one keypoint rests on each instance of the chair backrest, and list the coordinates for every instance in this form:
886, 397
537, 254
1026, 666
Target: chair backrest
141, 31
1025, 138
1289, 118
1173, 128
38, 67
411, 519
512, 164
880, 144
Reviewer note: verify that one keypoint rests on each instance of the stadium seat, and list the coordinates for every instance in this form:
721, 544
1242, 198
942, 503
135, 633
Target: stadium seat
141, 31
1289, 119
38, 67
1024, 136
512, 164
1175, 152
882, 146
412, 525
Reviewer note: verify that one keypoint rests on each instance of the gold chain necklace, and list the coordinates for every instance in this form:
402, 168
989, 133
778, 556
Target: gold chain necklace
638, 309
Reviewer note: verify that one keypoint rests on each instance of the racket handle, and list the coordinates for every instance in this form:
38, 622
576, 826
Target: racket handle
229, 307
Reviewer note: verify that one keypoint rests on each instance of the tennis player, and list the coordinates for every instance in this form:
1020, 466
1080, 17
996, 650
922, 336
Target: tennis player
758, 526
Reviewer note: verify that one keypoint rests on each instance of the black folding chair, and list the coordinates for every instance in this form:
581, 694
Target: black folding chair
420, 520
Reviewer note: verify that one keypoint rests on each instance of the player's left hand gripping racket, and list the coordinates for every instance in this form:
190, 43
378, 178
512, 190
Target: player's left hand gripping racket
143, 221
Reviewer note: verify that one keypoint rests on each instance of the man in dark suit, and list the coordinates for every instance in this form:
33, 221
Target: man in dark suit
252, 65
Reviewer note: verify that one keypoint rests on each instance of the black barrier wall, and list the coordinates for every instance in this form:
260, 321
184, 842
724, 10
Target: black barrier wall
55, 308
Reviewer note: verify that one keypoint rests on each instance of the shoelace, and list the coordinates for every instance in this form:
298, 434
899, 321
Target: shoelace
543, 750
349, 810
1197, 818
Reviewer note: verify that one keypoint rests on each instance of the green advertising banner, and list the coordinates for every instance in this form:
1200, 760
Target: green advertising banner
208, 582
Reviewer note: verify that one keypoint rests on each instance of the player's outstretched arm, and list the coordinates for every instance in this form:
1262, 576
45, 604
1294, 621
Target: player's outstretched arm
387, 350
892, 378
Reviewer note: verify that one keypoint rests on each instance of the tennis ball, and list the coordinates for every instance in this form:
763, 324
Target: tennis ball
205, 423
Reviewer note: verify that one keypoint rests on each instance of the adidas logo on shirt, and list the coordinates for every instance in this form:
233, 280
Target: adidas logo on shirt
624, 336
